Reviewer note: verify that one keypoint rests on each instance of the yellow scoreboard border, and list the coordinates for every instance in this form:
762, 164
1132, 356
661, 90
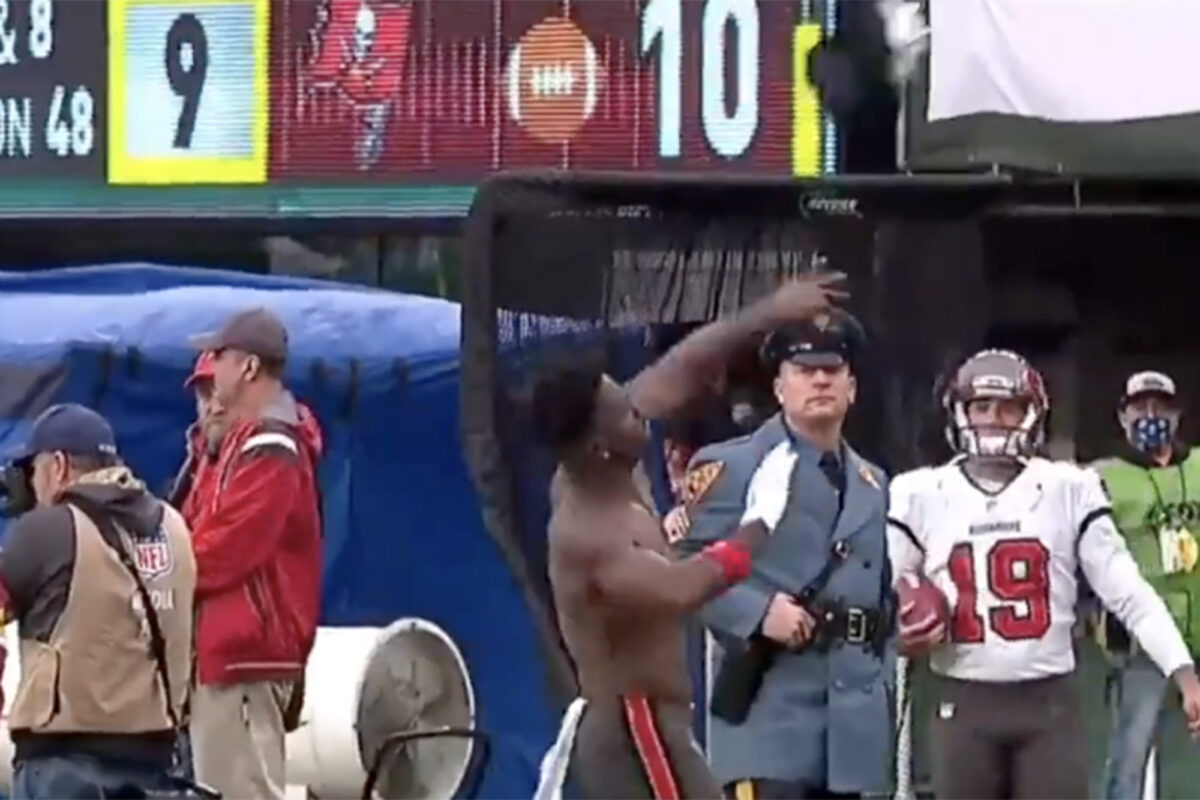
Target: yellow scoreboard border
807, 115
179, 170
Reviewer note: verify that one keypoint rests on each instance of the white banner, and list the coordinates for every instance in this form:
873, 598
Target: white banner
1064, 60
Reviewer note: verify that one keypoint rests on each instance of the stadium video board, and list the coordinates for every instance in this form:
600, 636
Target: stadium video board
180, 105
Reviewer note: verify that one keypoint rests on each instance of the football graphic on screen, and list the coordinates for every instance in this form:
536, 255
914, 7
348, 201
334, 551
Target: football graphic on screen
552, 79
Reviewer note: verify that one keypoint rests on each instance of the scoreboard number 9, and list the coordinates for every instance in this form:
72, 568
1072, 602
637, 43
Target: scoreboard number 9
186, 62
729, 133
175, 118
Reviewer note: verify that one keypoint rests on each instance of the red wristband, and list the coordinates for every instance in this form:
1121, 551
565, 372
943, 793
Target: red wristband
732, 557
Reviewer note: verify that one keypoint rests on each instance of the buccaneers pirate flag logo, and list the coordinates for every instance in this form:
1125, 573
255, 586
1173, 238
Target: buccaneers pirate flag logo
360, 47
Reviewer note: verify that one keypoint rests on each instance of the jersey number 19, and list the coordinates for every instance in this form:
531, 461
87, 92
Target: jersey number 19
1017, 574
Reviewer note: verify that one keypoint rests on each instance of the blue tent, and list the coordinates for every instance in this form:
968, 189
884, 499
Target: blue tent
380, 370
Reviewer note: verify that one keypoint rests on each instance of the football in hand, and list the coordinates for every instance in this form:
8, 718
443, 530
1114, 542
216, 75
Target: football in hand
923, 607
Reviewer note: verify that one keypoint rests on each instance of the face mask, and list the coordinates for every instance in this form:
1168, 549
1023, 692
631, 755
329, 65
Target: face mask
1150, 433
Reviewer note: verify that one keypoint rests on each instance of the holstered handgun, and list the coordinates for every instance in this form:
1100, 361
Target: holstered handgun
824, 613
741, 673
739, 678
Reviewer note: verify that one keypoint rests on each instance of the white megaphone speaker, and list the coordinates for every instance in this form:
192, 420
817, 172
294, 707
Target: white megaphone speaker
388, 713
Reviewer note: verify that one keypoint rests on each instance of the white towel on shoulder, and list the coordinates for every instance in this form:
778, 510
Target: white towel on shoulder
553, 773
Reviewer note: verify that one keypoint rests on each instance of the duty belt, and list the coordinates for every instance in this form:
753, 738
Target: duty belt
742, 669
849, 624
839, 623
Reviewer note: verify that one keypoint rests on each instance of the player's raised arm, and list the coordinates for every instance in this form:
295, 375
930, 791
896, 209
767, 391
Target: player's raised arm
686, 369
1117, 581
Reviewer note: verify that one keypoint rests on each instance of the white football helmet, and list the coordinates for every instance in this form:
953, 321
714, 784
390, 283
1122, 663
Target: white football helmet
996, 374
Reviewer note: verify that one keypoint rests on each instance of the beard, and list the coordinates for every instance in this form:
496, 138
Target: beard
214, 434
226, 396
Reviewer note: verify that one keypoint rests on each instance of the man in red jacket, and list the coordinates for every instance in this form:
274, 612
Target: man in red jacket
203, 442
257, 539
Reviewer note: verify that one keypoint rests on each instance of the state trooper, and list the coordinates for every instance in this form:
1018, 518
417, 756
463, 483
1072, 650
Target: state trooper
800, 704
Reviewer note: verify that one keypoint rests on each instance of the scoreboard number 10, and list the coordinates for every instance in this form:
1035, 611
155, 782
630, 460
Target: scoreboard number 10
729, 133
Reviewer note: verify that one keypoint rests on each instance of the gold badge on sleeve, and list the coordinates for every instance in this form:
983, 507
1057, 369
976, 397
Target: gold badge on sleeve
700, 479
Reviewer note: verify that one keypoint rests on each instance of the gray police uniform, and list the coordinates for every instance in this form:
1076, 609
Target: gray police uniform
822, 720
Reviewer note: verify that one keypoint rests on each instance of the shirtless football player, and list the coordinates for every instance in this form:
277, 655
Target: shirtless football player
622, 599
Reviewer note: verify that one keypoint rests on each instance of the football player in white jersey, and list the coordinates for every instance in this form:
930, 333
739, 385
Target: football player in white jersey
1005, 535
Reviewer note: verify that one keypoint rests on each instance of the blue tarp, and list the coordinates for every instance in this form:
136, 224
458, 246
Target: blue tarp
403, 531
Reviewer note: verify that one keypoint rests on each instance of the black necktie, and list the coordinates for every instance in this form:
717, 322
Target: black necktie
831, 465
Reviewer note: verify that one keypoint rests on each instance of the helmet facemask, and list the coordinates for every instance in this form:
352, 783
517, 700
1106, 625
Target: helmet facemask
994, 440
996, 375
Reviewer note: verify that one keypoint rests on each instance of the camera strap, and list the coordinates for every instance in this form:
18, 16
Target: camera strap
102, 519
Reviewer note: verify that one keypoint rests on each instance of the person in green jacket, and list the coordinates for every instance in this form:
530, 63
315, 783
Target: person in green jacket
1155, 491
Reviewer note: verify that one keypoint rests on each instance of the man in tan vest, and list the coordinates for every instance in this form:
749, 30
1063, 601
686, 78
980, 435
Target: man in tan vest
93, 715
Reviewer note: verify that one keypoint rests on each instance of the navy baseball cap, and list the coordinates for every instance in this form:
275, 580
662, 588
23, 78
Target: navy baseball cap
827, 340
68, 428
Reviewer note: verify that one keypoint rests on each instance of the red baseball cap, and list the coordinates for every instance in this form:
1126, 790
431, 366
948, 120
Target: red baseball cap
202, 370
